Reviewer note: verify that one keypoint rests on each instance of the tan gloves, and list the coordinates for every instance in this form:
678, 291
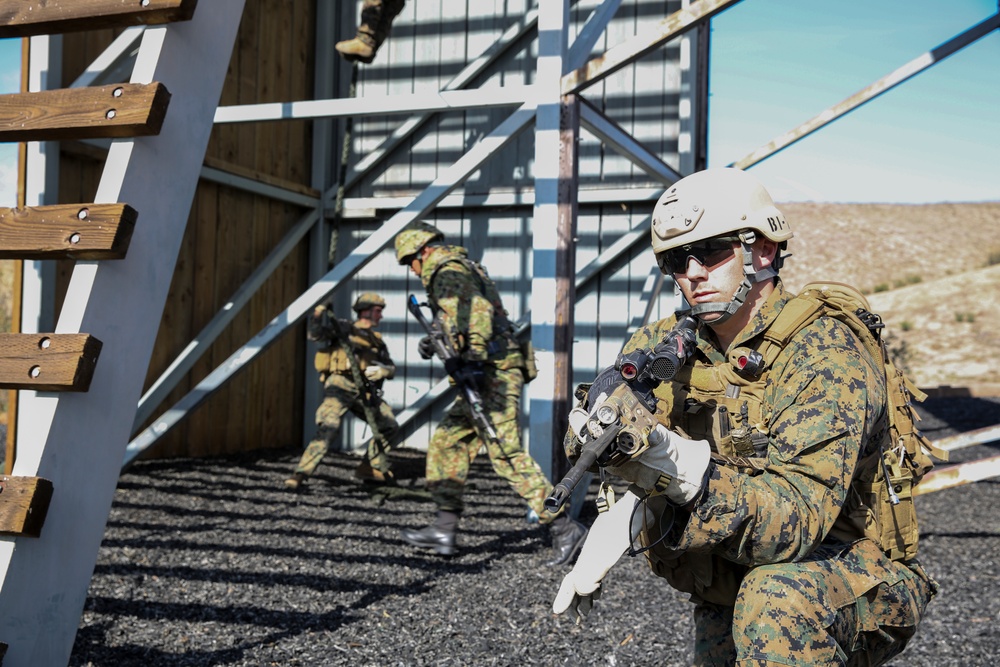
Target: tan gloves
608, 539
376, 371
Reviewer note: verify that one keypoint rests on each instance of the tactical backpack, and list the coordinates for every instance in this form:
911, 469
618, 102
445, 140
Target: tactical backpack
880, 502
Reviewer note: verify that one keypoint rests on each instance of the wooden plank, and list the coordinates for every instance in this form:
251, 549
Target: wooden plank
48, 362
66, 231
24, 18
113, 111
24, 502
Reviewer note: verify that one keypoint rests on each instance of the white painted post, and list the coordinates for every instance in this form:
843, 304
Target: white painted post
77, 441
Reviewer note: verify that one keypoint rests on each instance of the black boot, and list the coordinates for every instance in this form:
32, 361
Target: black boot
439, 536
568, 537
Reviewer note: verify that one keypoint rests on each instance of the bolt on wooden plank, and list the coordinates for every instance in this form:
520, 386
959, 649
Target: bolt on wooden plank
66, 231
24, 18
48, 362
101, 112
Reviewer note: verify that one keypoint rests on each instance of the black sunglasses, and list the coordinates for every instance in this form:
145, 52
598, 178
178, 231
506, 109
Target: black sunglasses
709, 253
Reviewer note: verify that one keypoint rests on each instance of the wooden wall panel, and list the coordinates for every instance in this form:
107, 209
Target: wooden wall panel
229, 233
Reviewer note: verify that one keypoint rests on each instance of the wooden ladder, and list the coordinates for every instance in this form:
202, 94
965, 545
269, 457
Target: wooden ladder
80, 383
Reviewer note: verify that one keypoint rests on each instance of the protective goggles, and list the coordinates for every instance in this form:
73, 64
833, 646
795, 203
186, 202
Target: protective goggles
709, 254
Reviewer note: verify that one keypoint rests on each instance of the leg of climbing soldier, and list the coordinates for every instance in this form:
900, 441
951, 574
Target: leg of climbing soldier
846, 605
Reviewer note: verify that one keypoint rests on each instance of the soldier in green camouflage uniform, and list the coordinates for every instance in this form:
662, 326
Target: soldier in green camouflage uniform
342, 394
376, 21
468, 308
756, 514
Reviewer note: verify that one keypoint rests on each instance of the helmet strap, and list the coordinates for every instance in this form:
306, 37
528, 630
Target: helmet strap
750, 278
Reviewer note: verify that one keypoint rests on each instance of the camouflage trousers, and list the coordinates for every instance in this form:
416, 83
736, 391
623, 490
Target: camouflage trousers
341, 395
455, 444
841, 606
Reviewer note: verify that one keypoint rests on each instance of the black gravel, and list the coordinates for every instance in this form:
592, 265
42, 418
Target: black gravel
212, 562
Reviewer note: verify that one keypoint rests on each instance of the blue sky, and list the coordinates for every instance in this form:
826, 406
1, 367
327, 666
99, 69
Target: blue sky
777, 63
936, 137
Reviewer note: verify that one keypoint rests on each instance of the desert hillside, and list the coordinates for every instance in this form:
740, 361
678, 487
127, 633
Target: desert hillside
932, 272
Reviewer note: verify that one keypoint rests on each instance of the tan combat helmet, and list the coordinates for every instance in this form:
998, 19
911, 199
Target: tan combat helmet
413, 238
368, 300
713, 203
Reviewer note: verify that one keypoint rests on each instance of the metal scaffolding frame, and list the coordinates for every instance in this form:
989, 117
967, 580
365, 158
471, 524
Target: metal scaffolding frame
542, 103
555, 107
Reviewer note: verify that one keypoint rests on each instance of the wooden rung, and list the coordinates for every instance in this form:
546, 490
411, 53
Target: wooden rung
48, 362
113, 111
66, 231
24, 18
24, 502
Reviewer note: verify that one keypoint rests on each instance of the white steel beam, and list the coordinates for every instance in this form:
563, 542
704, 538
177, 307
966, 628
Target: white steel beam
596, 24
445, 100
958, 475
623, 143
77, 440
343, 271
644, 42
359, 207
883, 85
461, 80
551, 293
115, 62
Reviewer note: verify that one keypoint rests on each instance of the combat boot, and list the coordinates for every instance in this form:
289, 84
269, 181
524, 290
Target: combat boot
295, 481
568, 537
361, 48
439, 536
366, 473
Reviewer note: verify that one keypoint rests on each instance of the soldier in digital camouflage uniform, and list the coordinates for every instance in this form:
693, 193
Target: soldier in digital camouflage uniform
468, 307
749, 477
376, 21
342, 394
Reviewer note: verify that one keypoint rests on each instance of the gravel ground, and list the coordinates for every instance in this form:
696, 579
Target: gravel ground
212, 562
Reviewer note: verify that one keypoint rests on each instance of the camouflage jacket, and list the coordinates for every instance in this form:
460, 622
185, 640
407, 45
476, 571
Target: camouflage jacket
366, 345
822, 410
467, 306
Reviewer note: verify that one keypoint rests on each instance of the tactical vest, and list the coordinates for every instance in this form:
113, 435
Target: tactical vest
503, 331
725, 405
366, 344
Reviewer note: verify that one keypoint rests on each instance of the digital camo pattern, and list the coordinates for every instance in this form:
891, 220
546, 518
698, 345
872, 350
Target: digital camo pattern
458, 295
760, 541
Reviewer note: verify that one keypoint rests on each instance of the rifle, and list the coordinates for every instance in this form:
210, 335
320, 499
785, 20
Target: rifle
618, 428
463, 376
370, 392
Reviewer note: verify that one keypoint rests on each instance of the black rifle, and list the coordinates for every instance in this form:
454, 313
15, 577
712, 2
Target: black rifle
463, 376
370, 392
618, 428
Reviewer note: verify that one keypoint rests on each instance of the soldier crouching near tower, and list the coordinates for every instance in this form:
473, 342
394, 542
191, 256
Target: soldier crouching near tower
342, 393
763, 492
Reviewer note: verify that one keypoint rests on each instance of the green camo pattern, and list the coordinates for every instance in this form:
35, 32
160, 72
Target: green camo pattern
458, 296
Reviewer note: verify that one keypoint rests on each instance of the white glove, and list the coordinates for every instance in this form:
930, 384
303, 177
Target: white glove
673, 466
608, 539
376, 371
